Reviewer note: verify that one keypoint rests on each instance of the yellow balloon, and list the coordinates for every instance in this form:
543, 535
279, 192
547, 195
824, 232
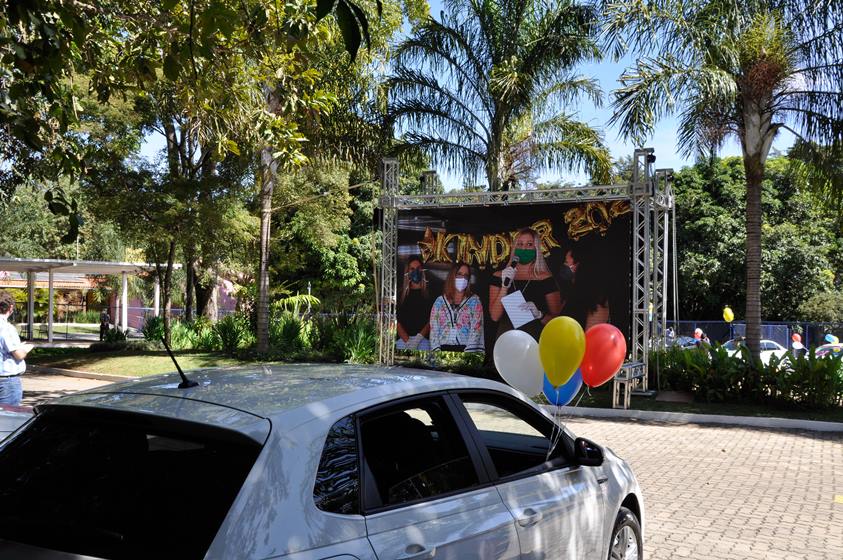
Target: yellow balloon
561, 348
728, 314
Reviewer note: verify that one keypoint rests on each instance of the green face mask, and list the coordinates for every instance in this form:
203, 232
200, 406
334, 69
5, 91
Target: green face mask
525, 256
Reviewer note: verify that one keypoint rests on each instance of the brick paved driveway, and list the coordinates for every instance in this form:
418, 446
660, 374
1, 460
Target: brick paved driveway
731, 492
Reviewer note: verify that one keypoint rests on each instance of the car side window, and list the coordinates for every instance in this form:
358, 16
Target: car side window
414, 452
767, 346
517, 438
337, 488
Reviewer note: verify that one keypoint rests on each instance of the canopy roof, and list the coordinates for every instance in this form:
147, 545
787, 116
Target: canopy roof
75, 267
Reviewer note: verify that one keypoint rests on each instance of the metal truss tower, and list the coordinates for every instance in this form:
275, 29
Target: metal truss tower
388, 273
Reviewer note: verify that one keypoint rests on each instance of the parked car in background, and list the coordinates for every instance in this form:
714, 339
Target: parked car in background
311, 462
685, 342
769, 348
835, 350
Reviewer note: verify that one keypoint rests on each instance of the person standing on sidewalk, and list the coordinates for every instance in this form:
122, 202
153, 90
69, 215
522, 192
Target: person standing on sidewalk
12, 354
105, 323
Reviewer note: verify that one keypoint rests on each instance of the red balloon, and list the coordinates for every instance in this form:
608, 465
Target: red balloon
796, 337
605, 351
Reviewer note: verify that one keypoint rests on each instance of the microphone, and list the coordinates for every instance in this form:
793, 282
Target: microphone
508, 281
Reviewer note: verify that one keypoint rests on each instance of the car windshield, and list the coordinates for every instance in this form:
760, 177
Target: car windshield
120, 485
733, 345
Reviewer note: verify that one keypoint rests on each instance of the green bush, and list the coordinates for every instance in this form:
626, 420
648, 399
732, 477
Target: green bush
712, 375
153, 328
287, 333
205, 336
114, 335
84, 317
234, 331
182, 336
358, 341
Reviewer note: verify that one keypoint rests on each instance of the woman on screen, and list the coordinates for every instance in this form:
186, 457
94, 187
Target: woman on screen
414, 303
456, 320
526, 272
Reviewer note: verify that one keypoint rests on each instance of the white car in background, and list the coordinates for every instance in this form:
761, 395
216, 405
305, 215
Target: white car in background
311, 462
769, 348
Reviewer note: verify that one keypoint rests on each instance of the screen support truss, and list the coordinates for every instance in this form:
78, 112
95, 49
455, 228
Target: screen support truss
651, 196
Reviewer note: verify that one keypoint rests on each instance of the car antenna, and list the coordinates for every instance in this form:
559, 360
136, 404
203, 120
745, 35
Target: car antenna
185, 382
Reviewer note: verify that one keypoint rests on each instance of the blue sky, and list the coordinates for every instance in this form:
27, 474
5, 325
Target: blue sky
607, 73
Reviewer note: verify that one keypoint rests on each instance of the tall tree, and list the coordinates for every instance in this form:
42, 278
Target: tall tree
490, 88
743, 69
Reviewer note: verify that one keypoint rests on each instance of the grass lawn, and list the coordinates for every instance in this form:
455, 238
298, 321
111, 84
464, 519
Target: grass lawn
601, 397
129, 363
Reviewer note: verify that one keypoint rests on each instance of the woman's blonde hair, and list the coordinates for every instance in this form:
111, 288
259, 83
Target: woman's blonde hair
541, 265
405, 288
450, 289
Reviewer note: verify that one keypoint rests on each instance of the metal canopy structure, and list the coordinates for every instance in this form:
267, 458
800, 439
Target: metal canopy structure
653, 244
32, 266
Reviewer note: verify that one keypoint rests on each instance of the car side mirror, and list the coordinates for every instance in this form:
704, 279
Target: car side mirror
587, 453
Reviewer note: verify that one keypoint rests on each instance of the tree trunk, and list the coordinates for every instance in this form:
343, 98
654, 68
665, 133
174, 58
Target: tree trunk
205, 296
268, 176
754, 176
166, 286
756, 140
190, 269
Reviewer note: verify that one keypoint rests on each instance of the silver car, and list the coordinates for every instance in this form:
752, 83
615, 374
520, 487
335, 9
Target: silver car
311, 462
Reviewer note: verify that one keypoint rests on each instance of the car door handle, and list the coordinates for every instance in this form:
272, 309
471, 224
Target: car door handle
602, 480
530, 517
418, 552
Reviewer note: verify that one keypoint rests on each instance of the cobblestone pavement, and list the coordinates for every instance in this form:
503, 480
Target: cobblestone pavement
725, 492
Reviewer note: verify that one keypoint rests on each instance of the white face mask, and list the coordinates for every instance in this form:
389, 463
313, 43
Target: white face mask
461, 284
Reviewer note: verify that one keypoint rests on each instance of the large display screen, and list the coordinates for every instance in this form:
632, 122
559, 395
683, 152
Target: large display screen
467, 275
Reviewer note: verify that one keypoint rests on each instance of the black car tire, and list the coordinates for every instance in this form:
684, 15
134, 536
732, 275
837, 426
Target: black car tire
626, 527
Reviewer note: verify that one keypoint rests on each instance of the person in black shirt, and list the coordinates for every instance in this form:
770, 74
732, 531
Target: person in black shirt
529, 274
414, 304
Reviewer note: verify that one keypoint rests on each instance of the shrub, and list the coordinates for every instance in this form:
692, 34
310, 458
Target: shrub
153, 328
287, 333
114, 335
182, 336
84, 317
234, 331
345, 339
713, 375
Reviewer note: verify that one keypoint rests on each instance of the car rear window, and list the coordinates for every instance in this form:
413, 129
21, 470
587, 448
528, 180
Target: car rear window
120, 485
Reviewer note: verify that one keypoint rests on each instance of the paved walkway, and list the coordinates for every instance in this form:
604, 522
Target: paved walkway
40, 388
711, 492
732, 492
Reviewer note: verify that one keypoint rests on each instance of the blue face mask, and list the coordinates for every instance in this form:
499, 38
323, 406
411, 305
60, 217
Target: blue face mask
416, 276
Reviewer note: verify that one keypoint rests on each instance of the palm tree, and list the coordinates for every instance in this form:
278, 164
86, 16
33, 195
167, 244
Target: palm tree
485, 89
748, 70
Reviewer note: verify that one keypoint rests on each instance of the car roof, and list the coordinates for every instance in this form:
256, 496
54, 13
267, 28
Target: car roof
270, 391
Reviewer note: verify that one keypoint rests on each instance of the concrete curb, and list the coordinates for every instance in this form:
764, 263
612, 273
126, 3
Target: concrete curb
75, 373
689, 418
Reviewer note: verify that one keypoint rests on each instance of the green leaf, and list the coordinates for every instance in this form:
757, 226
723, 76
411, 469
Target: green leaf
167, 5
323, 8
171, 68
349, 28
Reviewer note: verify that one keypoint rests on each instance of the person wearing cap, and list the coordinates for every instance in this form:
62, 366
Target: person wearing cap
12, 354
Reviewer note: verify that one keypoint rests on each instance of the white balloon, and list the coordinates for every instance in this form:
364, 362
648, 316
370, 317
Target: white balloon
516, 356
797, 345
